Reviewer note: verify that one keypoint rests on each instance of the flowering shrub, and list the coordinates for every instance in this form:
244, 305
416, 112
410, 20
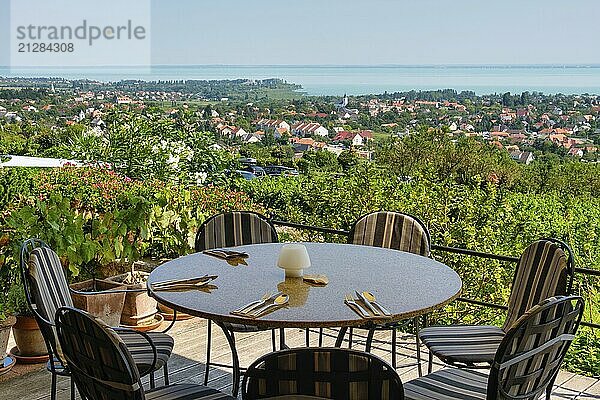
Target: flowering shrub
96, 217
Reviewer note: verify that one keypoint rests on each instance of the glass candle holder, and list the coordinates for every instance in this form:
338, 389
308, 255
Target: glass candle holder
293, 259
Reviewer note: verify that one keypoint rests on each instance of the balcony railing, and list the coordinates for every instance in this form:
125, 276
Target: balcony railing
454, 250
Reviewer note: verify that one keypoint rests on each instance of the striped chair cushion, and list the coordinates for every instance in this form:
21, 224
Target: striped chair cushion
463, 344
234, 229
186, 392
541, 273
330, 373
448, 384
391, 230
99, 362
49, 285
530, 356
51, 292
142, 352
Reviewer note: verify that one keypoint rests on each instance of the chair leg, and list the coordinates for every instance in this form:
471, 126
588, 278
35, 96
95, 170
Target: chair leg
307, 339
394, 348
418, 343
166, 374
282, 344
320, 337
208, 342
369, 340
236, 361
152, 382
72, 389
340, 336
53, 387
273, 340
430, 364
350, 334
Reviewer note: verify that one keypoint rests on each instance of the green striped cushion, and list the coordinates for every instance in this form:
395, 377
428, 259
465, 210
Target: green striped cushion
391, 230
541, 273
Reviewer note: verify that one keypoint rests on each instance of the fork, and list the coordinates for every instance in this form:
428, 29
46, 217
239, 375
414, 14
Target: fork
348, 299
254, 304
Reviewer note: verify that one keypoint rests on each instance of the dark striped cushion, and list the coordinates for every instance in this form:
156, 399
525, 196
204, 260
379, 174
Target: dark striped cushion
49, 284
142, 352
448, 384
534, 347
464, 344
99, 362
234, 229
541, 273
186, 392
391, 230
330, 373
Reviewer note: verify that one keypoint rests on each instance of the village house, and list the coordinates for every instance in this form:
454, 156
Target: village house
355, 138
273, 125
524, 157
309, 128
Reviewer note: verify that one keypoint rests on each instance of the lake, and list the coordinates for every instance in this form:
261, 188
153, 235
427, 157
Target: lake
356, 80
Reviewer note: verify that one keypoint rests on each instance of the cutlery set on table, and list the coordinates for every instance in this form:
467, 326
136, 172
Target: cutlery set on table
233, 258
201, 283
366, 305
266, 305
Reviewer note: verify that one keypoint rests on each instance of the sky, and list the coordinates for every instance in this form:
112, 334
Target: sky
351, 32
367, 32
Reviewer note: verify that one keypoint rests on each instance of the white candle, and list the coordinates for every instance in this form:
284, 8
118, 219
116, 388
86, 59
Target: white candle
293, 258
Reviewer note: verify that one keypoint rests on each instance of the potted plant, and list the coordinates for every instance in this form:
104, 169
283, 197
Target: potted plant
6, 323
28, 337
139, 309
106, 306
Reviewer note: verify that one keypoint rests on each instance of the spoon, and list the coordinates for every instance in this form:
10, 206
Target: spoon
255, 304
278, 302
371, 297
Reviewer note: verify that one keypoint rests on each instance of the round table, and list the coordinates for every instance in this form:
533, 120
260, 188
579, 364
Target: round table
408, 285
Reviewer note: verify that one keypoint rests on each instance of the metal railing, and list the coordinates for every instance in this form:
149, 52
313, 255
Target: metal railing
454, 250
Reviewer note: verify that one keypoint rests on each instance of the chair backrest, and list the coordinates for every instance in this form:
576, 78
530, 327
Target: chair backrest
235, 228
46, 288
530, 355
392, 230
329, 373
545, 269
99, 361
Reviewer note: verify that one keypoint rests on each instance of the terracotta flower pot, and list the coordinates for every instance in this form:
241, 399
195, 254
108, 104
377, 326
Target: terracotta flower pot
6, 363
105, 306
139, 308
28, 337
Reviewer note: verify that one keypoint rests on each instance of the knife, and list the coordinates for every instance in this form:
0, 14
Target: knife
367, 303
205, 278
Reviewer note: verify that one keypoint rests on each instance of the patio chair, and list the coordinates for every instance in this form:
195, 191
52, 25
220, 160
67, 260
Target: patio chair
399, 231
545, 269
103, 368
46, 290
525, 365
231, 229
321, 373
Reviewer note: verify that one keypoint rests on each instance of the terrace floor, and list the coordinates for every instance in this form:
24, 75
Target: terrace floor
187, 364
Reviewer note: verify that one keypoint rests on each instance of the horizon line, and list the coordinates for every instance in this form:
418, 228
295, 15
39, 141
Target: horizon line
466, 65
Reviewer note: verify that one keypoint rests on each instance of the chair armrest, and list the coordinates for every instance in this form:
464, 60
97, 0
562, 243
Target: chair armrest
172, 322
150, 342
